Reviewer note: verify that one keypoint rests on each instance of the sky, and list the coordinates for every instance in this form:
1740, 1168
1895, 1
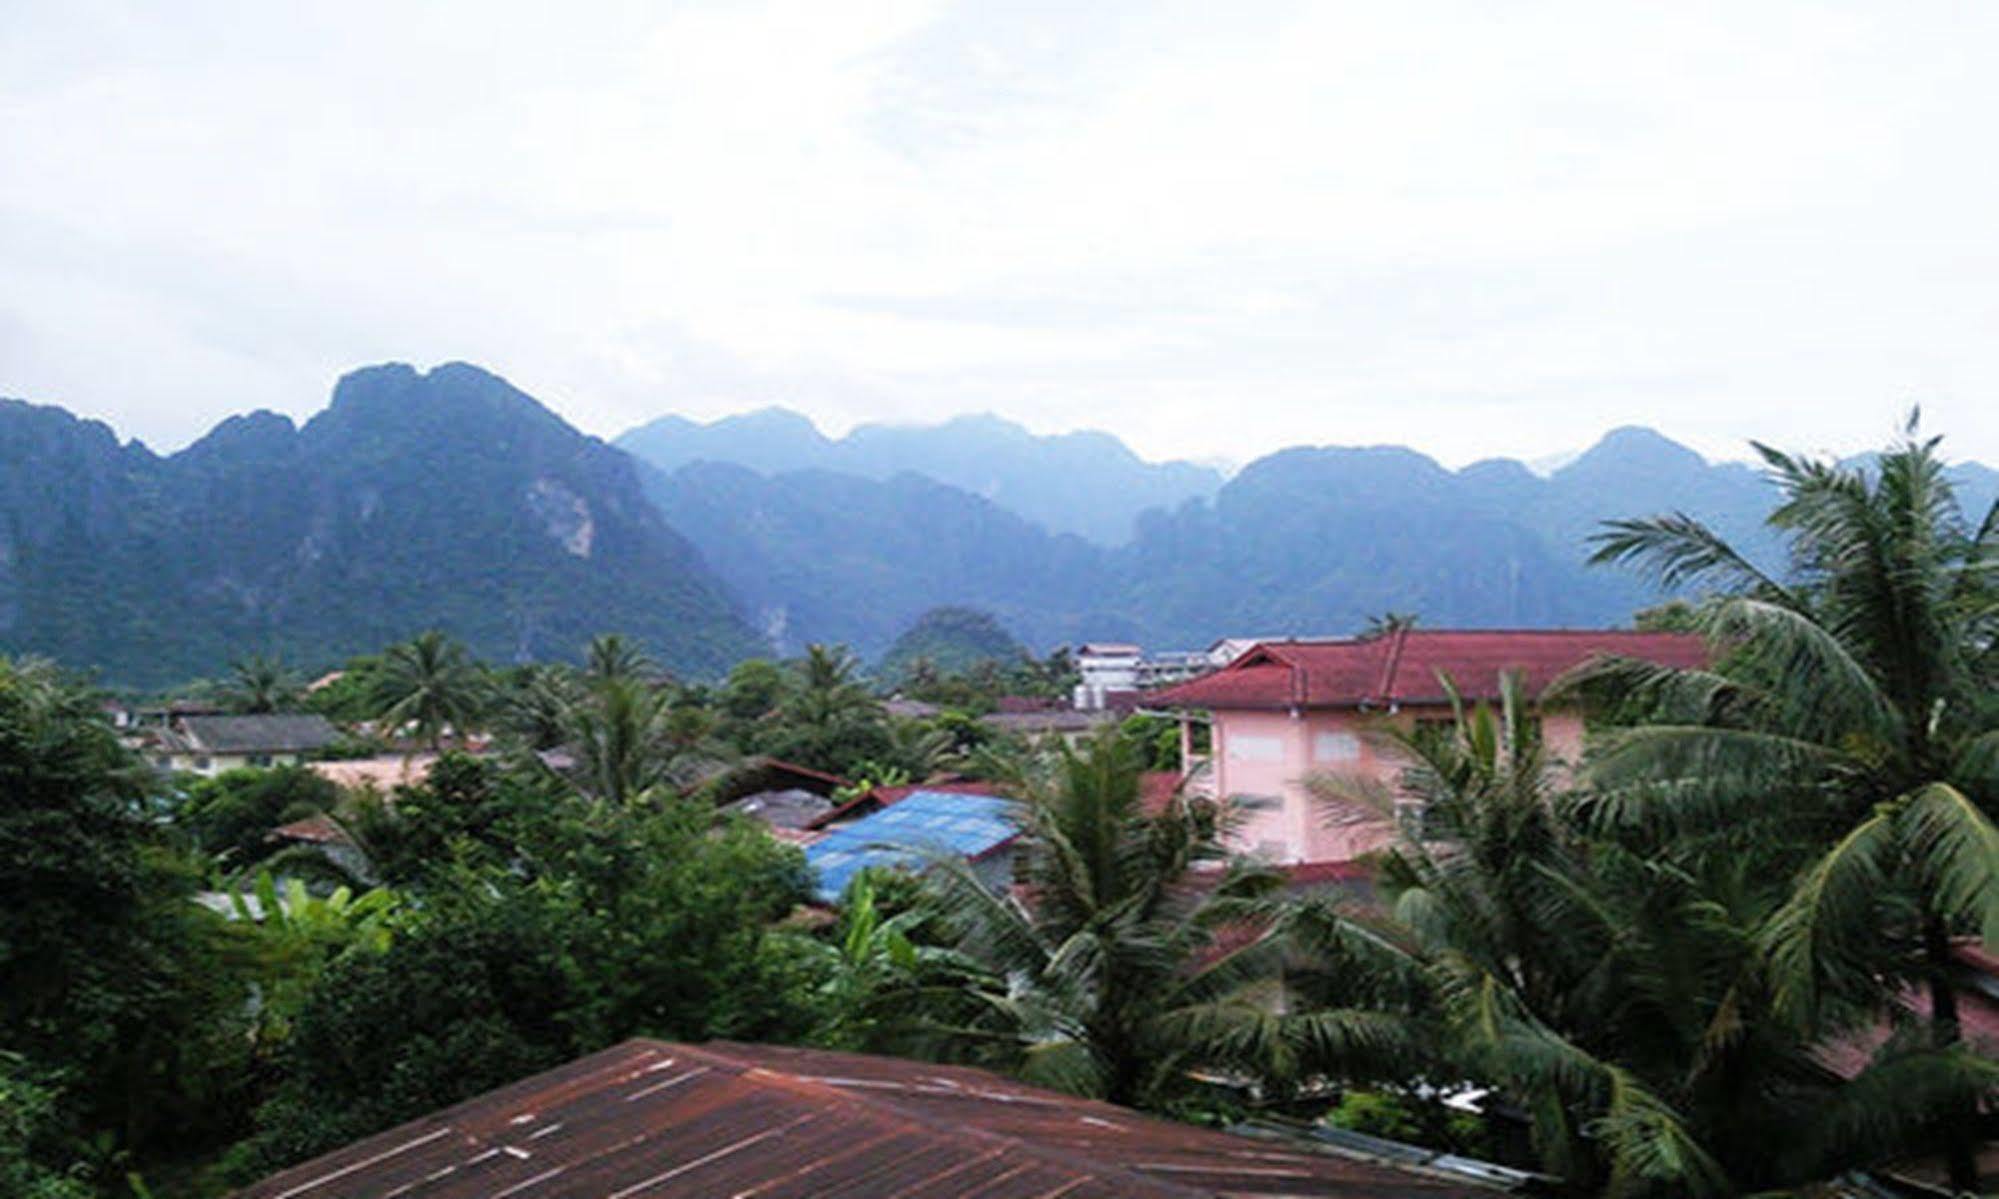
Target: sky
1214, 229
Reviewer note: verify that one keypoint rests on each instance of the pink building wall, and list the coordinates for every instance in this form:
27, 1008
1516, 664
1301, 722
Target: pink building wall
1262, 759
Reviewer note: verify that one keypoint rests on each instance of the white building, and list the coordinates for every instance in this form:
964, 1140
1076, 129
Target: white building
1111, 668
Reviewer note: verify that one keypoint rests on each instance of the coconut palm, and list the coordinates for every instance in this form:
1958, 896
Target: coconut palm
827, 718
258, 684
613, 656
533, 710
1617, 992
830, 694
1105, 978
1851, 716
630, 739
429, 683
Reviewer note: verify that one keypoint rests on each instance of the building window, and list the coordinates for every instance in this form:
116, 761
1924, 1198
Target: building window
1257, 803
202, 763
1339, 746
1255, 749
260, 759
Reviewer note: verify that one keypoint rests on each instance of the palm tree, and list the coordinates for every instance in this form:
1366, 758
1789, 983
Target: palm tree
1851, 715
1107, 978
535, 706
830, 694
430, 683
828, 719
258, 684
1617, 991
1387, 624
613, 656
917, 748
630, 740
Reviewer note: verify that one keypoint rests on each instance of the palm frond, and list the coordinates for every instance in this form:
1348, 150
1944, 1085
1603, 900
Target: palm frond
1959, 847
1832, 904
1676, 550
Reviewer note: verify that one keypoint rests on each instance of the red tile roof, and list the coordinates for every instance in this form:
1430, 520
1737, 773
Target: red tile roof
651, 1120
1405, 668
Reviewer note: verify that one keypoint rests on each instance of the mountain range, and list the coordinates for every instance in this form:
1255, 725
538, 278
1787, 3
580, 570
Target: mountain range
450, 498
446, 498
1088, 483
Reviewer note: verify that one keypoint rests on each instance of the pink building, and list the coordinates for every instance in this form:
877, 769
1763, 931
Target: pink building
1287, 710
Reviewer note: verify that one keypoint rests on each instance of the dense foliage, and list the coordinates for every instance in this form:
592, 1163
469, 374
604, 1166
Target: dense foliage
951, 641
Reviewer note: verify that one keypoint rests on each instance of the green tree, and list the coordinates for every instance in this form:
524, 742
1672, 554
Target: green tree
111, 978
300, 935
1615, 989
466, 810
611, 922
468, 998
231, 815
429, 683
754, 689
1115, 980
1852, 716
351, 695
629, 739
613, 657
827, 719
28, 1113
259, 684
869, 962
534, 702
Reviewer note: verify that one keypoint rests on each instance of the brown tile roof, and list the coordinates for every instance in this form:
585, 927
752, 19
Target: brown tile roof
1405, 668
317, 829
651, 1120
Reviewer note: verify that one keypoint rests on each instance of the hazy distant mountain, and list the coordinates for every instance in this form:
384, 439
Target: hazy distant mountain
1086, 483
822, 556
448, 499
451, 498
1306, 541
1315, 540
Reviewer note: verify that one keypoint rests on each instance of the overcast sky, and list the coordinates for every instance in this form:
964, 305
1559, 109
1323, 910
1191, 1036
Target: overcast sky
1213, 228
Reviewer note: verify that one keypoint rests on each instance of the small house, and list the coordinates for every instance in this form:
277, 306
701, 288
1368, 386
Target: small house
209, 745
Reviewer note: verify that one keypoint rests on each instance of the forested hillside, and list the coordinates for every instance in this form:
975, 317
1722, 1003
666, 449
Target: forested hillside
448, 498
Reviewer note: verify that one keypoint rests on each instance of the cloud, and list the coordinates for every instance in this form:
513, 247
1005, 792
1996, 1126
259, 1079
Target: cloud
1214, 228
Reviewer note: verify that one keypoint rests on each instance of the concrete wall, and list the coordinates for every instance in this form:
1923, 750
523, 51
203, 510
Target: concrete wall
1262, 760
213, 764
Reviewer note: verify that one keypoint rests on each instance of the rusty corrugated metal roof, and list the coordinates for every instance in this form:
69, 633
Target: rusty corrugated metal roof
652, 1120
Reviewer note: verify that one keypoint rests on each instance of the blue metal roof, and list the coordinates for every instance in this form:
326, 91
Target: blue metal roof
924, 824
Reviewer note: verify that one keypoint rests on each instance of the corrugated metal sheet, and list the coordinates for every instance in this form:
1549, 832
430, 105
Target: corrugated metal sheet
650, 1120
925, 823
